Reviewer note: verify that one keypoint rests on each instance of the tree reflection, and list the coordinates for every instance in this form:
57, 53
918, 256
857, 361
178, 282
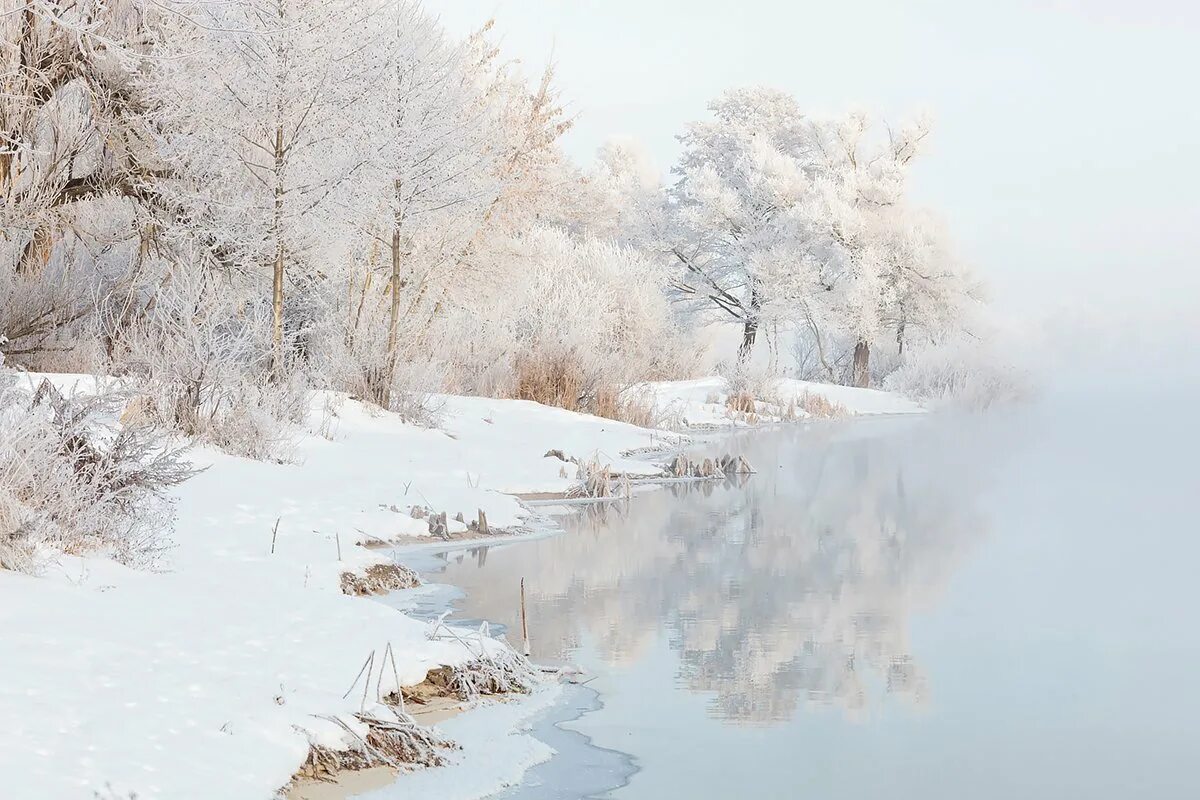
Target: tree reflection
794, 588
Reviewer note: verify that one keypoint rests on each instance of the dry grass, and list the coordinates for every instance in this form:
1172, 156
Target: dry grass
631, 407
817, 405
505, 673
595, 480
560, 382
394, 739
551, 382
720, 467
396, 742
608, 404
741, 402
379, 579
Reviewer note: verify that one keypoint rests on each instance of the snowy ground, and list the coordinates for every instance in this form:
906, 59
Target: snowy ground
208, 679
704, 402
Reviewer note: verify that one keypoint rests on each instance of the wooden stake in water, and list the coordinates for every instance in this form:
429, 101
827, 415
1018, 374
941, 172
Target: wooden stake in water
524, 619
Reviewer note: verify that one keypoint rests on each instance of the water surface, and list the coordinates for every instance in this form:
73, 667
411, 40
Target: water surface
983, 607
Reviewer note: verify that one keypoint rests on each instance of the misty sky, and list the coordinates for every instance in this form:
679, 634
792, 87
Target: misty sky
1064, 149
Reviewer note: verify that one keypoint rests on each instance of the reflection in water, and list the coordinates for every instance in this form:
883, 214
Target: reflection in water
793, 588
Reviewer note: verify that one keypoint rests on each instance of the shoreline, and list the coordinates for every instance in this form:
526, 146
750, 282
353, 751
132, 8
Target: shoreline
352, 783
255, 636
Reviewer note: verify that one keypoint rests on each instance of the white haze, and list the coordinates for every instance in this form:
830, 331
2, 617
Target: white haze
1061, 155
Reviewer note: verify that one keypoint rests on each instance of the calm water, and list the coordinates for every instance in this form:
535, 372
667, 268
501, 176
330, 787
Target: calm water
994, 607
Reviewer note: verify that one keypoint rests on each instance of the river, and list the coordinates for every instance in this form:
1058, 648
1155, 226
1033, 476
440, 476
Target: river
988, 606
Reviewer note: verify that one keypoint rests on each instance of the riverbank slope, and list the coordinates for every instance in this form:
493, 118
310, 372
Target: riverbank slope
217, 674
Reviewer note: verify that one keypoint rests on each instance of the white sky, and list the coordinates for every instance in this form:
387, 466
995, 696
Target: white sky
1064, 149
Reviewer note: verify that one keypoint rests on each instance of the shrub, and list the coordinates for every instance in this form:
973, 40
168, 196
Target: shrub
745, 381
200, 356
818, 405
346, 349
71, 480
576, 322
964, 374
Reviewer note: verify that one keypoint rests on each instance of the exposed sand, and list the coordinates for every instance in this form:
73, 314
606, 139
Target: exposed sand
352, 784
348, 784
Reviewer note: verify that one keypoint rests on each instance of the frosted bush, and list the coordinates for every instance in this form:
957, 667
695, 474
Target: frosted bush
200, 356
576, 322
748, 378
347, 352
73, 480
963, 374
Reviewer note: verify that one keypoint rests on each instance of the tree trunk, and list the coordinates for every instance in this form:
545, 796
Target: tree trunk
277, 282
749, 334
393, 321
750, 326
820, 343
862, 364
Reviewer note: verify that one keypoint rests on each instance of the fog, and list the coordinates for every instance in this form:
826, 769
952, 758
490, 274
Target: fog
988, 606
1061, 156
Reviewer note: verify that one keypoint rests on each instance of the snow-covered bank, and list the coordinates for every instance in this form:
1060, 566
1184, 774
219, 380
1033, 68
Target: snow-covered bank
212, 677
708, 402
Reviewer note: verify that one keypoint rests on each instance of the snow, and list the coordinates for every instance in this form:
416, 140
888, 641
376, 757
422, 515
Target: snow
207, 678
165, 684
702, 402
858, 402
497, 749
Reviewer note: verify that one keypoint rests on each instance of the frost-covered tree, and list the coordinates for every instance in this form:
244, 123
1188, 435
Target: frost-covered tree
427, 175
734, 207
624, 195
563, 321
887, 266
801, 221
76, 155
264, 106
526, 181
